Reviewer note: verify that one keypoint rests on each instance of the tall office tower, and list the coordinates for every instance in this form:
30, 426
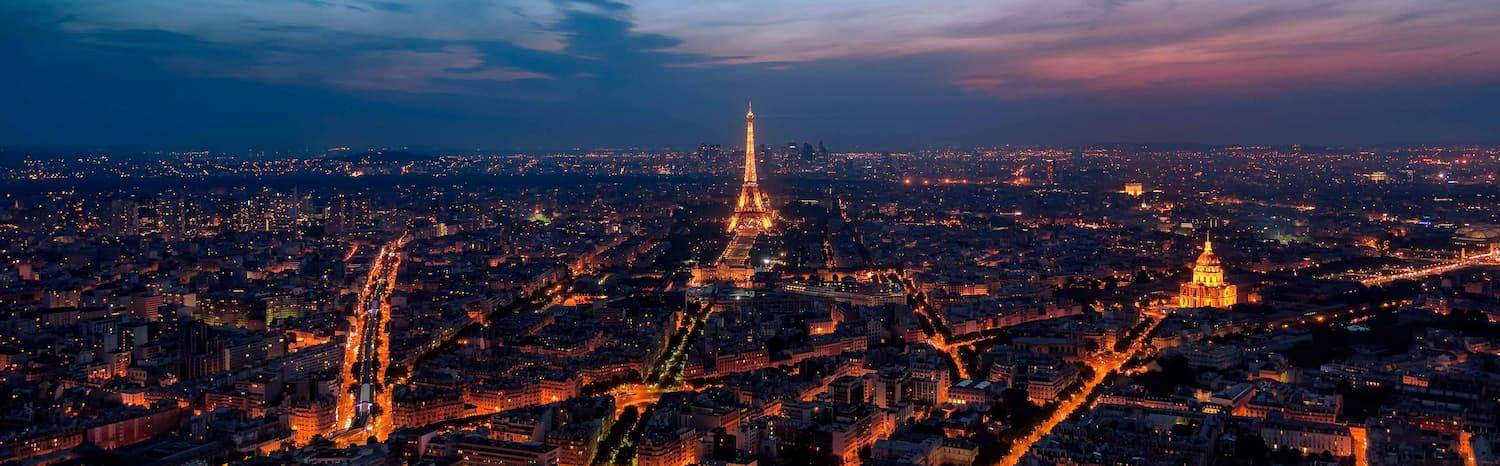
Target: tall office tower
248, 215
198, 352
280, 211
122, 217
171, 218
343, 215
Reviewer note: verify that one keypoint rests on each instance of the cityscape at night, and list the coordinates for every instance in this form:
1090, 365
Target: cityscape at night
669, 233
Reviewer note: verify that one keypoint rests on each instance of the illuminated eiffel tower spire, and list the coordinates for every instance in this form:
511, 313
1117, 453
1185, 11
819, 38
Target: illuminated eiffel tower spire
752, 212
750, 176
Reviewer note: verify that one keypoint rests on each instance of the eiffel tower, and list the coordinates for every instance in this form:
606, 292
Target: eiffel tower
752, 213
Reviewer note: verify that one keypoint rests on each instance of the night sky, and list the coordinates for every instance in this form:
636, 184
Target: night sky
883, 74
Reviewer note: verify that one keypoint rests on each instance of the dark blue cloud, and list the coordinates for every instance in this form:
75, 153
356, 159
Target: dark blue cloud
607, 83
390, 6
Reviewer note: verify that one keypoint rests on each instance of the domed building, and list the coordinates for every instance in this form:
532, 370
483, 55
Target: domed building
1207, 288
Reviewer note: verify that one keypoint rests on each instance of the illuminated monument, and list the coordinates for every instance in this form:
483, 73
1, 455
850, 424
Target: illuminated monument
752, 217
1207, 288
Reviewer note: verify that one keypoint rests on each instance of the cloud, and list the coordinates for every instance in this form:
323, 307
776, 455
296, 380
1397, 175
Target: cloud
1008, 48
1019, 48
548, 73
393, 7
461, 46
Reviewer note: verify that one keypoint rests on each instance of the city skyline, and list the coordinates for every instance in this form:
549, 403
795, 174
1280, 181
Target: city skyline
552, 75
1227, 306
946, 233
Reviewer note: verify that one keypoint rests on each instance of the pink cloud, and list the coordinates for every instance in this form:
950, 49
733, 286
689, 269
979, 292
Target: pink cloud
1031, 47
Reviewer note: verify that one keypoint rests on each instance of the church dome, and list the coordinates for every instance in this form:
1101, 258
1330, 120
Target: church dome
1208, 259
1207, 288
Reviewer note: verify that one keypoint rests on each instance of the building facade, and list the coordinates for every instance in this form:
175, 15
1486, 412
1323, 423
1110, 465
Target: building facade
1208, 288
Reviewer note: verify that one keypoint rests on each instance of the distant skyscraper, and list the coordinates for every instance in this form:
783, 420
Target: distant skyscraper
822, 151
122, 217
198, 352
248, 216
344, 215
171, 218
710, 151
807, 151
1051, 172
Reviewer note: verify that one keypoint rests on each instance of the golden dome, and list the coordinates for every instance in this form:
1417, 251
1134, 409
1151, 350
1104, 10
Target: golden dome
1208, 258
1207, 288
1208, 270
